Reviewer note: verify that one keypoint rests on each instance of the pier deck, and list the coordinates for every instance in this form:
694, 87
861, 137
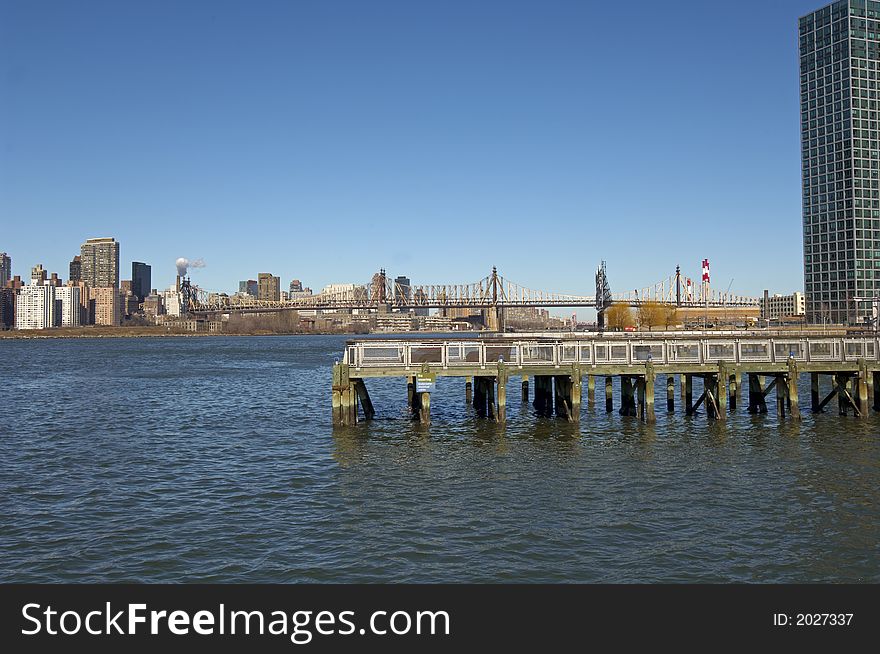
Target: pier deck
558, 367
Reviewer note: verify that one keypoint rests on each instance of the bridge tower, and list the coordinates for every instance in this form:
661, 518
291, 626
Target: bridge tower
603, 295
495, 315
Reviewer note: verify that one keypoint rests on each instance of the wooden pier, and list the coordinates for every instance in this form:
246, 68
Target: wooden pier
554, 369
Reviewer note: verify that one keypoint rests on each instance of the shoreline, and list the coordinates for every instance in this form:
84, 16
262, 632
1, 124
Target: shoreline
14, 335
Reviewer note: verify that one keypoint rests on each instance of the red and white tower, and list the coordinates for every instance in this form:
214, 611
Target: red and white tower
705, 279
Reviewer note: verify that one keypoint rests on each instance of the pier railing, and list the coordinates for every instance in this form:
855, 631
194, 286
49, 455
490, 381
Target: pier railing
598, 351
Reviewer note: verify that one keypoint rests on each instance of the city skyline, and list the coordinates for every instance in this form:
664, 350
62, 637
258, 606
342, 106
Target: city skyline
470, 161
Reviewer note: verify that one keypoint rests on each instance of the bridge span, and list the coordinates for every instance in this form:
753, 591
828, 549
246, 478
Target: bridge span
558, 366
493, 293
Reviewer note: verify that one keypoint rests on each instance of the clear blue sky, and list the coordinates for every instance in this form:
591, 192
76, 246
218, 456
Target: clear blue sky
322, 140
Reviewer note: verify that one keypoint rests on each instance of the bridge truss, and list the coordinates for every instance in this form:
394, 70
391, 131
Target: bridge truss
491, 292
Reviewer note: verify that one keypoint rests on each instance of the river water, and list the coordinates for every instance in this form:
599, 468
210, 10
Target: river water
214, 460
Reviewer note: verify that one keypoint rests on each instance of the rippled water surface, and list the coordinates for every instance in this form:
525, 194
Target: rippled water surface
214, 459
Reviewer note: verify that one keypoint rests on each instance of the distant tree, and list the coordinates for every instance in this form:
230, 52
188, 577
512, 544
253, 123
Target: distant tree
651, 314
670, 315
618, 317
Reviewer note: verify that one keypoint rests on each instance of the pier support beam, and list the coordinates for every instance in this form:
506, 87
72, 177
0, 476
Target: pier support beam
480, 402
591, 390
688, 386
814, 392
364, 397
734, 390
670, 392
722, 391
757, 394
563, 388
525, 389
468, 390
876, 375
792, 390
627, 396
609, 394
781, 395
543, 401
842, 396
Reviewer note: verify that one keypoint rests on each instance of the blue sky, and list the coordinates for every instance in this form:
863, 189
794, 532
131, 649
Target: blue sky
323, 140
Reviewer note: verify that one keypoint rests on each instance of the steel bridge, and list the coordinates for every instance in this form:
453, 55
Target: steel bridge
493, 292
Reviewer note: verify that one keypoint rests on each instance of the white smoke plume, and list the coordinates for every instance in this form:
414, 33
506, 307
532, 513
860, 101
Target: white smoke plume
183, 263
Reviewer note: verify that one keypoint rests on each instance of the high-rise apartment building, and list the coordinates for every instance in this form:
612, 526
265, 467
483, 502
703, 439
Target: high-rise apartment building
68, 306
5, 269
38, 275
268, 287
75, 269
140, 279
35, 307
840, 155
100, 262
107, 306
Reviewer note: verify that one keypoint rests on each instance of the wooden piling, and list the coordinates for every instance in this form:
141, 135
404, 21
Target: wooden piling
722, 390
576, 392
792, 390
670, 392
525, 389
862, 393
814, 392
425, 408
648, 393
468, 390
501, 408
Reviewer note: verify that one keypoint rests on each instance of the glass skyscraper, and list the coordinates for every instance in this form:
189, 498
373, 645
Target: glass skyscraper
840, 155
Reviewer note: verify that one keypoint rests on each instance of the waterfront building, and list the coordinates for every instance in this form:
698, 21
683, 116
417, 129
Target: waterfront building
839, 48
68, 306
7, 308
248, 287
35, 307
171, 301
5, 269
141, 278
38, 275
86, 317
100, 262
298, 291
153, 306
269, 287
75, 269
776, 307
106, 305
